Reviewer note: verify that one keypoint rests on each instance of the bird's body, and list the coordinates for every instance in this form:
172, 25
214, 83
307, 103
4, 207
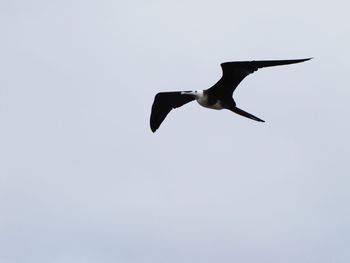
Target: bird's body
203, 99
201, 96
218, 96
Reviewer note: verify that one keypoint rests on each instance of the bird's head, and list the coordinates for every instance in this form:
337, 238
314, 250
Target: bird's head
195, 93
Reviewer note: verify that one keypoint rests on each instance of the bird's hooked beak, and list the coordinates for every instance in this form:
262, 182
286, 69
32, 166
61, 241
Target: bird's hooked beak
193, 93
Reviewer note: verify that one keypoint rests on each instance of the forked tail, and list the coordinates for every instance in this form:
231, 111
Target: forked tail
245, 114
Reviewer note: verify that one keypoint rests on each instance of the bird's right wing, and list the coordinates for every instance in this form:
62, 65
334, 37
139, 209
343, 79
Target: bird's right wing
163, 103
234, 72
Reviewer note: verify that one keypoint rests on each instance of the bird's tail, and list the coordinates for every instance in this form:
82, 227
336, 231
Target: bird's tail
245, 114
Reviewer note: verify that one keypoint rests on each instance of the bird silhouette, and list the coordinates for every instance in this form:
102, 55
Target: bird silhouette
218, 96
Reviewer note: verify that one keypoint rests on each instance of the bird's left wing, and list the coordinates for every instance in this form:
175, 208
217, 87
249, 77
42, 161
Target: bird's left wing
163, 103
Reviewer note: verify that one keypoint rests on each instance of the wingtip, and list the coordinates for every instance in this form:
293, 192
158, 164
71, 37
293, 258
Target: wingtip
306, 59
153, 129
301, 60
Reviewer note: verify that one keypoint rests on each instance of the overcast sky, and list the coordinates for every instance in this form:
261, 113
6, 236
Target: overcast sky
83, 178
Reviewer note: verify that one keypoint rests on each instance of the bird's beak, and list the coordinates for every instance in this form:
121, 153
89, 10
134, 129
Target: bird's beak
187, 93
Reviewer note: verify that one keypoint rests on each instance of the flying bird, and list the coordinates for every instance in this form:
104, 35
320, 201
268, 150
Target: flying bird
218, 96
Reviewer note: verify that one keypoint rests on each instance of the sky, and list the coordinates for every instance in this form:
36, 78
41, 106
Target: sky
83, 178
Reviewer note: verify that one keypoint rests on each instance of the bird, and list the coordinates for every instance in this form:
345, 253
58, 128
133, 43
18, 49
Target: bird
217, 97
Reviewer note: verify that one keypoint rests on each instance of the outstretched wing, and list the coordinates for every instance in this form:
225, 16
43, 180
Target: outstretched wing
234, 72
163, 103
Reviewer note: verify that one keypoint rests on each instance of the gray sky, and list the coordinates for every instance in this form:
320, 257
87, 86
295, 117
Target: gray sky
82, 177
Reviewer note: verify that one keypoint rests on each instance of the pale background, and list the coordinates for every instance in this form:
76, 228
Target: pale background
83, 178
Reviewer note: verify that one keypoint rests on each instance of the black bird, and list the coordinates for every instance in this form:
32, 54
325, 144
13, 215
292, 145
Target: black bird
218, 96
